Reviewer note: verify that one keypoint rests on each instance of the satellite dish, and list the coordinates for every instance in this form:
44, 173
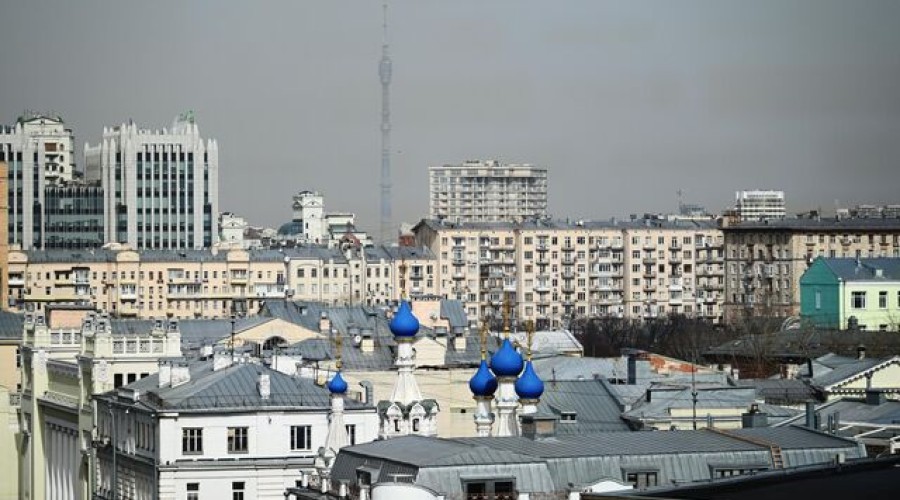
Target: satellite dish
357, 340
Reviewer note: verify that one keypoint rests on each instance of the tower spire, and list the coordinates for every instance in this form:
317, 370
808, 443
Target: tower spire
384, 73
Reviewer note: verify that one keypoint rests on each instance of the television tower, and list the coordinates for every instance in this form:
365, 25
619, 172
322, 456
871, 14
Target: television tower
384, 72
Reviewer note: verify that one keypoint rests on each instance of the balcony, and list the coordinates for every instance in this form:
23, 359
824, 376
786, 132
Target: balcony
16, 280
458, 260
568, 260
649, 260
459, 276
649, 246
568, 273
542, 288
568, 287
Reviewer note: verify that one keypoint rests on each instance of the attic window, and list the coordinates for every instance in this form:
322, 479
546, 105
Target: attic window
567, 416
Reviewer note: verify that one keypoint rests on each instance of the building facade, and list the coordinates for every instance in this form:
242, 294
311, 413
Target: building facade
487, 191
764, 261
759, 205
214, 284
852, 293
161, 188
39, 151
216, 428
556, 271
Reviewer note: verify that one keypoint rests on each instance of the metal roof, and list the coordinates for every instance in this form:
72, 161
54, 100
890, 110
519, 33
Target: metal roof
855, 410
594, 408
234, 388
848, 371
826, 224
572, 461
11, 325
851, 269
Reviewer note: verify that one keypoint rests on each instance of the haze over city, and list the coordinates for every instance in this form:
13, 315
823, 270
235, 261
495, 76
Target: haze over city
624, 103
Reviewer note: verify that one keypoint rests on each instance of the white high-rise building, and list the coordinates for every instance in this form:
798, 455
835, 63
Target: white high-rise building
38, 150
759, 205
488, 191
161, 187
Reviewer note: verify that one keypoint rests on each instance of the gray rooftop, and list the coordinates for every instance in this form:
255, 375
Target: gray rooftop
851, 269
594, 408
820, 224
234, 388
11, 325
538, 225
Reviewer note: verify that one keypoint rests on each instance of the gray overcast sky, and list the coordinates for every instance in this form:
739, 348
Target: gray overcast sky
624, 101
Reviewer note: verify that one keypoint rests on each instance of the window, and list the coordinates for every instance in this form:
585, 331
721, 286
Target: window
237, 440
882, 300
192, 440
237, 490
193, 491
858, 300
499, 489
415, 425
642, 479
301, 437
818, 300
351, 433
737, 471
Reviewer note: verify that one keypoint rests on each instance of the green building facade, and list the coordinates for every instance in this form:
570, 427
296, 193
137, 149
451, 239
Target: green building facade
840, 293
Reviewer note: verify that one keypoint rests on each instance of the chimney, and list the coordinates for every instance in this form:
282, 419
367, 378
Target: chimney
754, 418
264, 387
632, 371
459, 339
368, 341
324, 323
165, 373
180, 374
367, 391
222, 359
811, 415
537, 426
875, 397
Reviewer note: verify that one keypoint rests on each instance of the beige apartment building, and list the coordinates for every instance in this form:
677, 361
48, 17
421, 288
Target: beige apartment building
556, 271
214, 284
764, 261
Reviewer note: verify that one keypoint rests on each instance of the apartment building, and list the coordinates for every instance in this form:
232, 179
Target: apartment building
765, 260
39, 152
487, 191
555, 271
758, 205
214, 284
160, 187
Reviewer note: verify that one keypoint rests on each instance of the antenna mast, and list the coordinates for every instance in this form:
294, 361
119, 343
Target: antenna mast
384, 73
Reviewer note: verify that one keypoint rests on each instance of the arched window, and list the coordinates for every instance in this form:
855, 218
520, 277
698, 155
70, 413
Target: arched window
415, 425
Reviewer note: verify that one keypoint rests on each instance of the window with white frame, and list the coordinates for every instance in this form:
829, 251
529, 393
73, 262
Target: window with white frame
237, 490
858, 300
192, 440
882, 300
301, 437
193, 491
237, 440
351, 433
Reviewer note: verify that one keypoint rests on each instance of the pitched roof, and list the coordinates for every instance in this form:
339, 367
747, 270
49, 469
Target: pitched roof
850, 269
849, 371
234, 387
595, 409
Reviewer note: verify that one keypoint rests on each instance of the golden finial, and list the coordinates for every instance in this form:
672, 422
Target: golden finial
506, 308
484, 336
338, 341
529, 329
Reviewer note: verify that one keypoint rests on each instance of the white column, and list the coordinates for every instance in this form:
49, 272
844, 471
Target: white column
507, 402
484, 419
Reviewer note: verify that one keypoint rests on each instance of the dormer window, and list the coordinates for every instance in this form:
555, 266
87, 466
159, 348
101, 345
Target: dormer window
396, 425
415, 425
567, 416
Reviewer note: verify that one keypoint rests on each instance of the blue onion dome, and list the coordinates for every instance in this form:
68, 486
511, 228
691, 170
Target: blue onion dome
404, 323
506, 362
529, 385
483, 383
337, 384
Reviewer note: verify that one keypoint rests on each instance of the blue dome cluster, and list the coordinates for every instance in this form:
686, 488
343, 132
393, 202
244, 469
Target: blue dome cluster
506, 362
337, 384
529, 385
404, 323
483, 383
